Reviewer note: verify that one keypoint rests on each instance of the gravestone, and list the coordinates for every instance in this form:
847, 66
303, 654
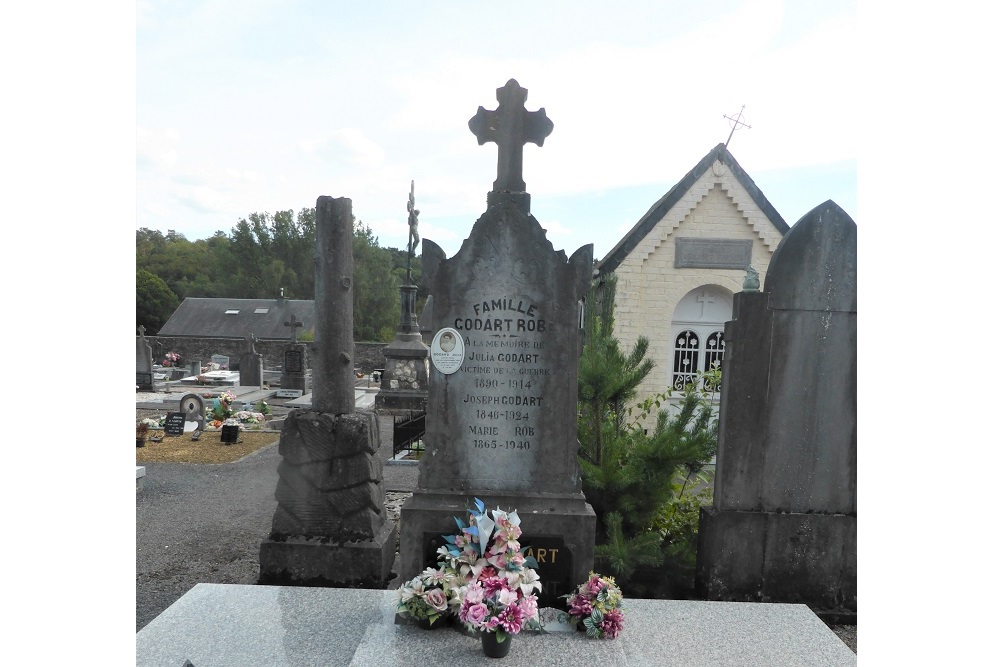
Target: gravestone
252, 365
501, 408
194, 368
174, 423
403, 381
193, 407
783, 524
221, 360
295, 367
295, 361
330, 527
143, 362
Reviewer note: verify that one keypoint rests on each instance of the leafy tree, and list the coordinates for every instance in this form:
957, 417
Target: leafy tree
154, 302
376, 289
628, 474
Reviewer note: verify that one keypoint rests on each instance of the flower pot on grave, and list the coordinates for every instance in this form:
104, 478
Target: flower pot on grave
493, 648
425, 623
140, 442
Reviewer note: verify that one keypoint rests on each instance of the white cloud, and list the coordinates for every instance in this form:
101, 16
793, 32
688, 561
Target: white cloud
347, 144
156, 149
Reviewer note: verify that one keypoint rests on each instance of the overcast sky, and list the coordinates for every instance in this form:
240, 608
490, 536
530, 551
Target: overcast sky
256, 105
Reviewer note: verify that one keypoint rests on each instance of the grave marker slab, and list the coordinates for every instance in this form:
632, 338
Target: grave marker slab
501, 421
174, 423
783, 523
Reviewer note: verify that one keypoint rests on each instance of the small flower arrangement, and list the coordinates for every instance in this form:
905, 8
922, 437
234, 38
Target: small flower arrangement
423, 598
222, 408
171, 359
262, 407
499, 580
597, 603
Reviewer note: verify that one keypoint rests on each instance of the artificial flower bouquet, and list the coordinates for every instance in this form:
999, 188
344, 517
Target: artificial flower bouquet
487, 576
597, 604
171, 359
423, 598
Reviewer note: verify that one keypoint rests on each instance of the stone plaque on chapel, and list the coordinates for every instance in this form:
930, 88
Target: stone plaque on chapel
502, 426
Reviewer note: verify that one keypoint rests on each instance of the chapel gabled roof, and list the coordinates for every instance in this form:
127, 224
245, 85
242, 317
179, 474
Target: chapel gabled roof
237, 318
646, 223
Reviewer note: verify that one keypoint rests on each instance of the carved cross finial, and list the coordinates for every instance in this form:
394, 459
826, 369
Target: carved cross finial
142, 331
294, 324
510, 126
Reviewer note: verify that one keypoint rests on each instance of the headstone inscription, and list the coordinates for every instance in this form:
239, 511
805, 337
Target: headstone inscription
174, 423
783, 524
143, 362
501, 425
330, 527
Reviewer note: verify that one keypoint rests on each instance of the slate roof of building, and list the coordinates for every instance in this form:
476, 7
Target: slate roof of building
667, 202
238, 318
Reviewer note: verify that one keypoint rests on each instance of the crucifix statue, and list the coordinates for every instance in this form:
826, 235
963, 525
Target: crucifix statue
414, 237
294, 324
510, 126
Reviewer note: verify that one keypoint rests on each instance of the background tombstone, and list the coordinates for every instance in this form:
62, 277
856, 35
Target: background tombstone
783, 523
193, 407
143, 362
194, 368
252, 365
330, 527
502, 426
295, 360
221, 360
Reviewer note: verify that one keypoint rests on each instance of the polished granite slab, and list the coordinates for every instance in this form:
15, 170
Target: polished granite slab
221, 625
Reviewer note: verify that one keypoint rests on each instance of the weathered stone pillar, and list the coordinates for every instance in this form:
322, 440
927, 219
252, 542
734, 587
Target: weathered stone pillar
333, 374
330, 526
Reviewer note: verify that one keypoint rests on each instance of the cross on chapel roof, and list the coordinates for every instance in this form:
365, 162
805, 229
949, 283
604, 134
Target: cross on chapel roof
510, 126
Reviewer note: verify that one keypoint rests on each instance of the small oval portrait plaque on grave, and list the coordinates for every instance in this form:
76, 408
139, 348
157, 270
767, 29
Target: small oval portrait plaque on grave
447, 351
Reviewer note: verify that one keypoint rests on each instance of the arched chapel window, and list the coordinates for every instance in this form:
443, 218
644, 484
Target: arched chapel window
698, 324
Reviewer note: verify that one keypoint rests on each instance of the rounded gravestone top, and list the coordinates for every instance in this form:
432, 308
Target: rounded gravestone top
193, 407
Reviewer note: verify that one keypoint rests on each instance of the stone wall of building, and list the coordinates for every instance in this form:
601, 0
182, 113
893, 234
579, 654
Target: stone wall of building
367, 355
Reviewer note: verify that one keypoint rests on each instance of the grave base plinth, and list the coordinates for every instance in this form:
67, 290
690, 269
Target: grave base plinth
757, 556
560, 528
302, 561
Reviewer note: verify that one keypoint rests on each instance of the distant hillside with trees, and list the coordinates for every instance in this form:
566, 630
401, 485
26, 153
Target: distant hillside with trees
263, 254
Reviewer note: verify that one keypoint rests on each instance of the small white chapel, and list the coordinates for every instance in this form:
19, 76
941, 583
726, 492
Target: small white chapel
681, 263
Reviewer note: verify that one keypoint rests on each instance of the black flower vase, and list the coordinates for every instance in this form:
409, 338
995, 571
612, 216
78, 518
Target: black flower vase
493, 648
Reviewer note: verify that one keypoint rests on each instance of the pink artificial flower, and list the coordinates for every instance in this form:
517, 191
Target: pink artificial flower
507, 597
494, 584
613, 623
579, 606
487, 573
594, 585
529, 607
436, 599
512, 619
475, 594
492, 624
476, 614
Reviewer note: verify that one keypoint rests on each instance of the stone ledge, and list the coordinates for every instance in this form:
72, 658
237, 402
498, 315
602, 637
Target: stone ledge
236, 625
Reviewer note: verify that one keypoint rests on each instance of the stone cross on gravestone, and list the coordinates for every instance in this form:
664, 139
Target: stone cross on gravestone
510, 126
294, 324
